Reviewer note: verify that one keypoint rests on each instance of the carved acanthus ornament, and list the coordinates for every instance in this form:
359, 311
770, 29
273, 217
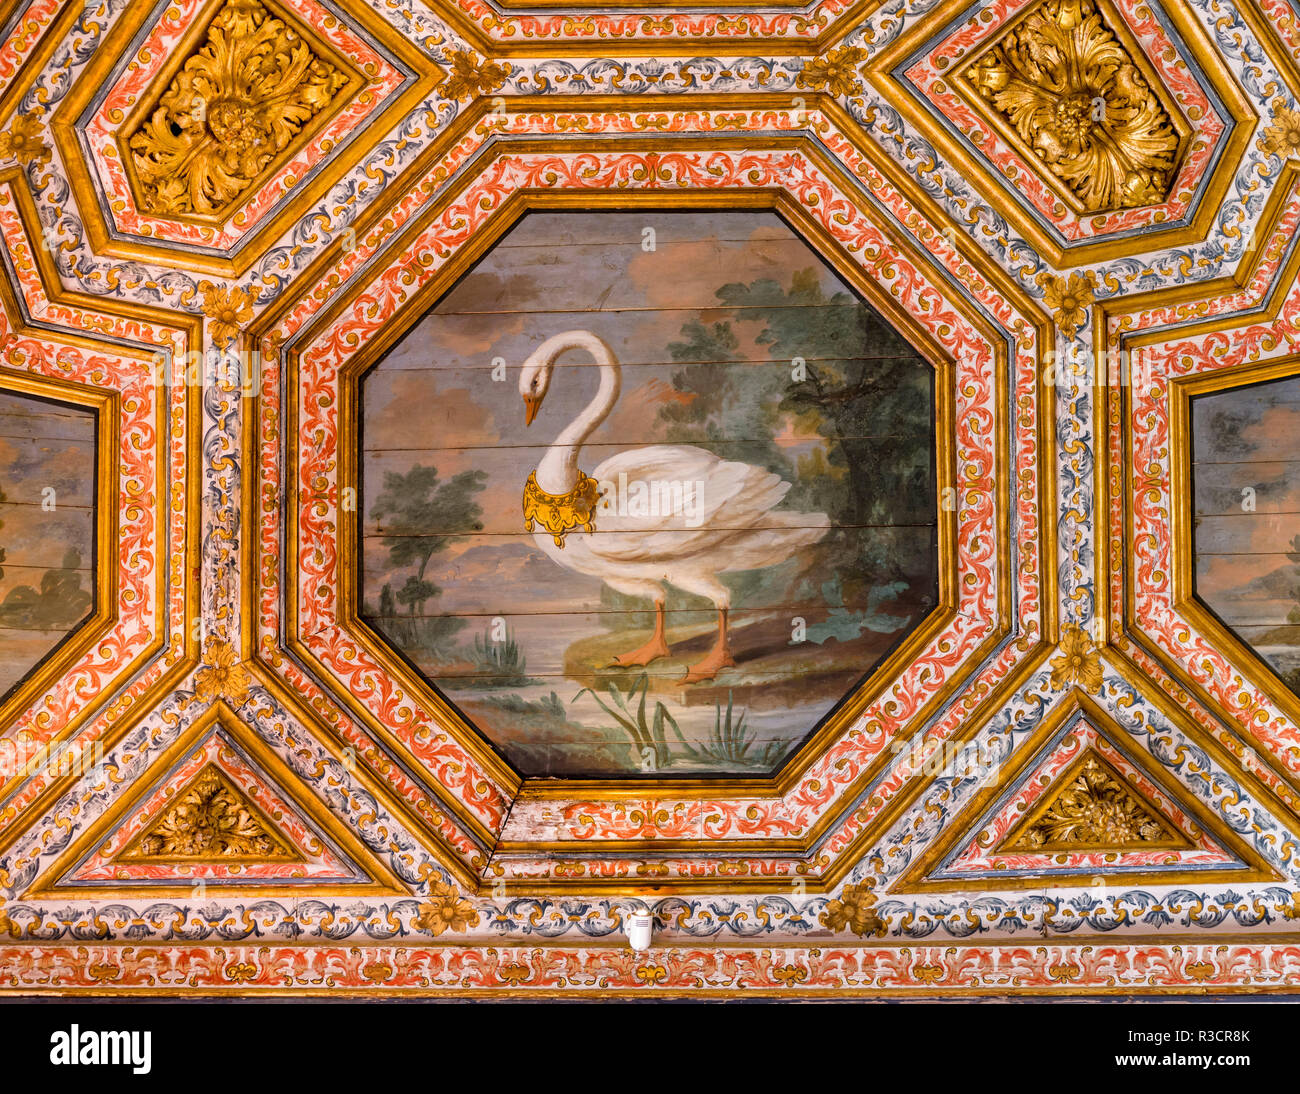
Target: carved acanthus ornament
24, 140
835, 72
471, 76
210, 820
1282, 138
1067, 85
234, 106
223, 676
1094, 808
228, 309
445, 910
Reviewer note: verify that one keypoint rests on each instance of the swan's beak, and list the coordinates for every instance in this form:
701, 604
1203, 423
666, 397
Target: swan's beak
531, 405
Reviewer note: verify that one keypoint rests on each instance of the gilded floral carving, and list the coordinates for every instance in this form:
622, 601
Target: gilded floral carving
1282, 138
1068, 86
23, 139
470, 76
210, 819
234, 107
854, 911
223, 676
1094, 808
1078, 663
445, 910
1068, 299
228, 309
835, 72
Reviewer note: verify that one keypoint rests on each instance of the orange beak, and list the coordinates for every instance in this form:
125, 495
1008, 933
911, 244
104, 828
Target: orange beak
531, 405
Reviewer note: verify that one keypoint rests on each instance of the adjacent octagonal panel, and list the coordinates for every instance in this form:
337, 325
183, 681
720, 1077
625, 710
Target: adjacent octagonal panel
718, 425
47, 529
1246, 477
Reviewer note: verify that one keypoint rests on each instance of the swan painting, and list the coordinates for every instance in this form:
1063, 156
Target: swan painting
714, 515
724, 517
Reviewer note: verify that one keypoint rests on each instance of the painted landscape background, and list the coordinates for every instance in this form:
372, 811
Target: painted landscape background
47, 529
1246, 470
705, 325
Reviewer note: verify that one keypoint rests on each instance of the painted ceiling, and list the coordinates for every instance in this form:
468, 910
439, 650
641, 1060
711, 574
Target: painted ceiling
1079, 772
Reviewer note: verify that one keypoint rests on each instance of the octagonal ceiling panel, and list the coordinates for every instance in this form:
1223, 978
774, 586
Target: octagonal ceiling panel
48, 531
1246, 476
730, 477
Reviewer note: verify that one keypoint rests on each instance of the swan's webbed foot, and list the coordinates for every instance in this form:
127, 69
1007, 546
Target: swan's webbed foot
716, 659
650, 651
643, 655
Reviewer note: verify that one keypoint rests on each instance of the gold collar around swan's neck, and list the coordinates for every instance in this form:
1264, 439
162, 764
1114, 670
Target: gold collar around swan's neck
559, 514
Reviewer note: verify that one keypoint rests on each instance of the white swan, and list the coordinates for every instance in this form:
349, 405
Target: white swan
730, 525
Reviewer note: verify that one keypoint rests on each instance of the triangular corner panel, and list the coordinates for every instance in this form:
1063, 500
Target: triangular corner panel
1089, 803
220, 809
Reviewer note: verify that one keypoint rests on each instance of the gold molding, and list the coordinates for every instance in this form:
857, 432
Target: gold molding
218, 716
678, 46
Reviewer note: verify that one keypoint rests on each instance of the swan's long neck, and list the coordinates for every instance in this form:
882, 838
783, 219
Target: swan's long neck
557, 473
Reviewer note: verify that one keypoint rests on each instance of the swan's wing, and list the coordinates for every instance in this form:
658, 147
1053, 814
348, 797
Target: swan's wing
664, 502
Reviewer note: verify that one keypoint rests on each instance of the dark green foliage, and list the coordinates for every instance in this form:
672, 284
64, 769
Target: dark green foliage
502, 661
729, 743
419, 516
551, 706
648, 739
863, 389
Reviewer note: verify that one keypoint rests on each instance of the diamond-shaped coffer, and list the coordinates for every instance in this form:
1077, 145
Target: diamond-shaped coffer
1065, 85
251, 90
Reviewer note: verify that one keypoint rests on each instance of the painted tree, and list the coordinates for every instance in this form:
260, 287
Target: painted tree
860, 386
420, 516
